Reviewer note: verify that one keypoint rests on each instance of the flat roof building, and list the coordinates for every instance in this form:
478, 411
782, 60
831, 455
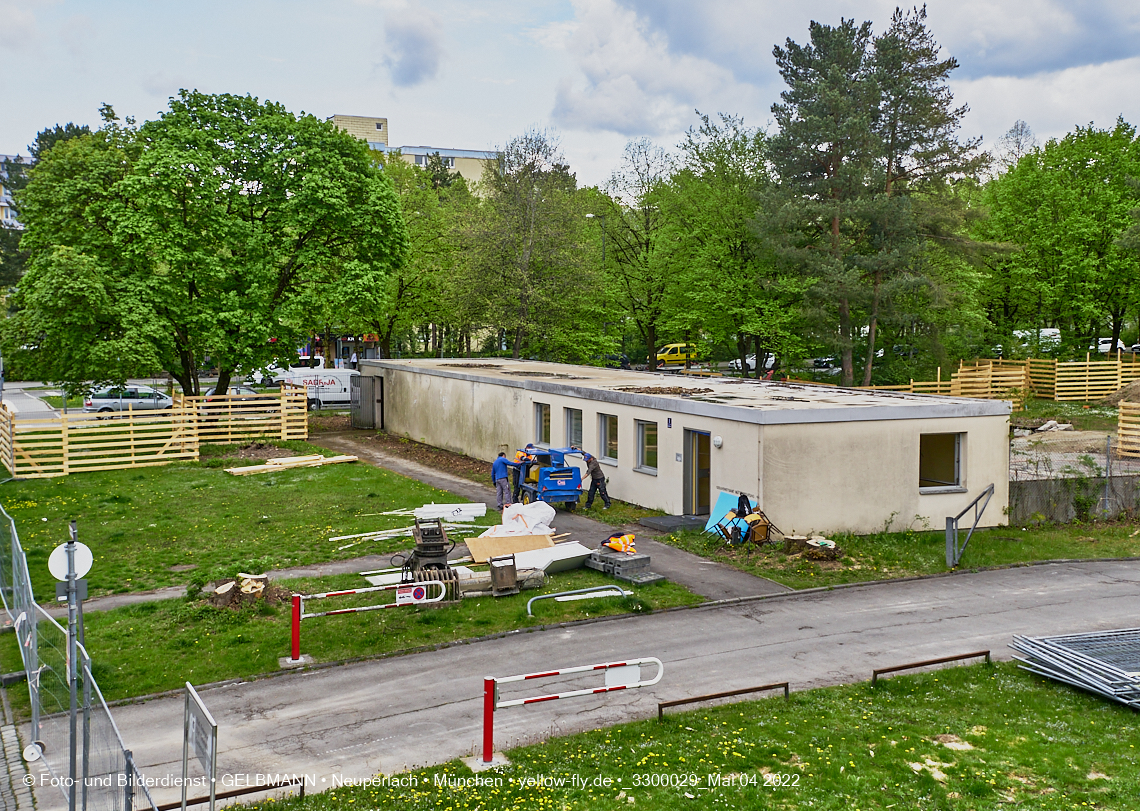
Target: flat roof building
815, 457
468, 163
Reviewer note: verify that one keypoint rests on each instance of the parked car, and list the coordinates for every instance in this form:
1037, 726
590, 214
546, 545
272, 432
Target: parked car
245, 392
1105, 345
734, 364
673, 354
123, 398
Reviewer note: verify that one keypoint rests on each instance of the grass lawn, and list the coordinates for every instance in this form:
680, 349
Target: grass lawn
1082, 416
960, 739
193, 641
164, 526
887, 555
56, 401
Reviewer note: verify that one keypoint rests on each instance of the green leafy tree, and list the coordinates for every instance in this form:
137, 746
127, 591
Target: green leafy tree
631, 221
1066, 206
725, 285
527, 272
201, 234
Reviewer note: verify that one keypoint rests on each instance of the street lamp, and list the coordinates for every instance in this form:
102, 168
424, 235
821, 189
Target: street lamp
601, 217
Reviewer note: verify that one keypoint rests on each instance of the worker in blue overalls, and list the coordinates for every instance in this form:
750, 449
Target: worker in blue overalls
500, 475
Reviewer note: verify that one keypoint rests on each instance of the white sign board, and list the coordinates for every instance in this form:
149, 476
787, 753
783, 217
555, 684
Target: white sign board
57, 561
408, 595
200, 732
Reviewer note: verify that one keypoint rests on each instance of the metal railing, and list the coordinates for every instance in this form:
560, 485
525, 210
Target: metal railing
103, 764
953, 551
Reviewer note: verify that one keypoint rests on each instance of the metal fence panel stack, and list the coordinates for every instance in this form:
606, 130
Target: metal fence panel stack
1106, 662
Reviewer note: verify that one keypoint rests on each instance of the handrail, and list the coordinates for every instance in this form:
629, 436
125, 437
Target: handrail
618, 591
927, 663
953, 551
727, 694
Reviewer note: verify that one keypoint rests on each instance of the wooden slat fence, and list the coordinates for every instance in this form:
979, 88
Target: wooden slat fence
239, 418
1128, 430
75, 442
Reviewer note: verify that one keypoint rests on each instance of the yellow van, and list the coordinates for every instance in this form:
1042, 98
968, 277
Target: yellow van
672, 354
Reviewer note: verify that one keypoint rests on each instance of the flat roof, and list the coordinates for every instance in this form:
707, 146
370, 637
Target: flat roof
742, 400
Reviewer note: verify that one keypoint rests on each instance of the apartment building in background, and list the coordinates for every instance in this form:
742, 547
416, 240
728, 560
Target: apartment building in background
7, 211
469, 163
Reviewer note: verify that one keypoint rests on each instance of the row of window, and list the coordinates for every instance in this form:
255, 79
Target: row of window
608, 449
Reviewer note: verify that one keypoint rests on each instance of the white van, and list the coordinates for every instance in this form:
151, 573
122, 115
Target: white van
326, 387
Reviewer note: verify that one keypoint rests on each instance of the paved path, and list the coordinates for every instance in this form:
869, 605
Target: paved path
385, 715
704, 577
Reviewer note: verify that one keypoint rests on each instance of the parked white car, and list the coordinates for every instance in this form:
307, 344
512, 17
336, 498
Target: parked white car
734, 364
1105, 345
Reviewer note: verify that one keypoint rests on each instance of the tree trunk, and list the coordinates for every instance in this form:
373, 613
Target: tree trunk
872, 328
742, 352
761, 359
223, 384
845, 354
330, 350
518, 343
651, 339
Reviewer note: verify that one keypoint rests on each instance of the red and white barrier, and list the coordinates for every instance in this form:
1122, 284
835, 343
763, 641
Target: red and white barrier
406, 594
619, 676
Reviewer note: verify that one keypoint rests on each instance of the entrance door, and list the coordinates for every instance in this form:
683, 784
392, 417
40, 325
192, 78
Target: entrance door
697, 463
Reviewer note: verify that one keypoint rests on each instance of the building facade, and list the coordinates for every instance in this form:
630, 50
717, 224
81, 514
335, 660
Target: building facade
816, 458
469, 163
7, 210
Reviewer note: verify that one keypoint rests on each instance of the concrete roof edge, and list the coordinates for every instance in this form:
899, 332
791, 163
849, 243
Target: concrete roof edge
939, 408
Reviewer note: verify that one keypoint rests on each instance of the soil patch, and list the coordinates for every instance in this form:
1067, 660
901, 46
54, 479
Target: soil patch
262, 450
476, 470
233, 596
1130, 393
320, 423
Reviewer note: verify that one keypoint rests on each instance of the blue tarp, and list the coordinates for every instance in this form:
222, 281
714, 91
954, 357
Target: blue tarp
726, 502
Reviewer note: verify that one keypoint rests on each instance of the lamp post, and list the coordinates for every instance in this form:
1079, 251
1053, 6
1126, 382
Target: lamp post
601, 217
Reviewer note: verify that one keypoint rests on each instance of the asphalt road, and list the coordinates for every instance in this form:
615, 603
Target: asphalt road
387, 715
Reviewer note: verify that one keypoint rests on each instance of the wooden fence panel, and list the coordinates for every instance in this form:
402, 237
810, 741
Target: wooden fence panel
242, 418
1087, 380
1128, 430
44, 448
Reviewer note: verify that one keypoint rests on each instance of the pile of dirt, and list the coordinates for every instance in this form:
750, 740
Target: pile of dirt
1130, 393
475, 469
229, 593
263, 450
320, 423
681, 390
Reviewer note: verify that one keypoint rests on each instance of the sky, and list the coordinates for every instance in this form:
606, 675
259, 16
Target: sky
596, 73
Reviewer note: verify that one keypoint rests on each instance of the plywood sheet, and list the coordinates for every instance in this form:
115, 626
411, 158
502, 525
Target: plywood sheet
482, 549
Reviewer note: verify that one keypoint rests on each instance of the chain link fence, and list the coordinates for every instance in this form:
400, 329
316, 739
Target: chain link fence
1061, 476
106, 778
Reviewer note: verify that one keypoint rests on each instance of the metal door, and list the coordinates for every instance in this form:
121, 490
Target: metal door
363, 399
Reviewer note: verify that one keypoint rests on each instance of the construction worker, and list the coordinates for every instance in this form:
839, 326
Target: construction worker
500, 470
597, 480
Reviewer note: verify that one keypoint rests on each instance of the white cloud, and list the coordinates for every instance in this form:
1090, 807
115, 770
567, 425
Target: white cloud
414, 39
19, 23
1053, 102
630, 81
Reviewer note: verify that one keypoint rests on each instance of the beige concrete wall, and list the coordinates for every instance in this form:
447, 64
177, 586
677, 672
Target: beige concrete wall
857, 476
363, 127
470, 169
853, 476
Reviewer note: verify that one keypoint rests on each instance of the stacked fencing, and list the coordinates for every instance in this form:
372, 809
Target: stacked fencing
1044, 378
107, 779
70, 443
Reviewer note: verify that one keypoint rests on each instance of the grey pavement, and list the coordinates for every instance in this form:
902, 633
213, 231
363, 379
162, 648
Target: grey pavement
390, 714
704, 577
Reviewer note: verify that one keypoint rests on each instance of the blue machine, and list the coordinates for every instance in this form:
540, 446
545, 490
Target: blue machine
545, 476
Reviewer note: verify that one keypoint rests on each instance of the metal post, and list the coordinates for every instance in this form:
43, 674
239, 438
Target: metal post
72, 670
1107, 473
951, 532
295, 653
185, 747
129, 789
488, 720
